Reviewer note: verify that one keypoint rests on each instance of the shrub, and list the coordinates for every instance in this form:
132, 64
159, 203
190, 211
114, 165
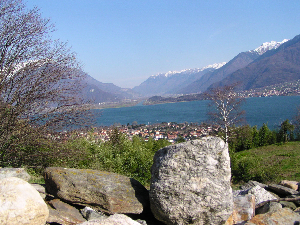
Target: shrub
132, 158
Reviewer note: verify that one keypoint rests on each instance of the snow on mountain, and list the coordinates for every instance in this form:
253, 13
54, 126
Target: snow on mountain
214, 66
268, 46
190, 71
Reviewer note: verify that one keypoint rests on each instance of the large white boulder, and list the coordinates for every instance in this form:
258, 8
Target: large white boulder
190, 183
20, 203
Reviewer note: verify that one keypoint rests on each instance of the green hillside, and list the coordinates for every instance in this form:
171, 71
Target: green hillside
267, 164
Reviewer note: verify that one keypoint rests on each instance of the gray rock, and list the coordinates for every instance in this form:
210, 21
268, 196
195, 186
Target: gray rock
251, 184
284, 216
282, 190
91, 214
143, 222
261, 194
63, 213
297, 202
116, 219
14, 172
41, 189
104, 191
20, 203
290, 184
287, 204
297, 210
244, 208
270, 207
190, 183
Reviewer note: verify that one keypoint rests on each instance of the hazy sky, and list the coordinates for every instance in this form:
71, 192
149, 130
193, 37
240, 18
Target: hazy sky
126, 41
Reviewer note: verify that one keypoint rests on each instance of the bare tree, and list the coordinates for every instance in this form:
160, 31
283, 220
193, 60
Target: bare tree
224, 107
38, 76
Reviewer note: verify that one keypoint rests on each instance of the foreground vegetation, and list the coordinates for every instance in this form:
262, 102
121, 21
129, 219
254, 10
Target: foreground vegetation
132, 158
256, 154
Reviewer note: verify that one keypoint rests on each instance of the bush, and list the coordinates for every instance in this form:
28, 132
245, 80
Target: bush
241, 138
132, 158
248, 168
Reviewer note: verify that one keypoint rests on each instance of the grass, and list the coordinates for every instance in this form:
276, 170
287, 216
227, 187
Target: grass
267, 164
36, 178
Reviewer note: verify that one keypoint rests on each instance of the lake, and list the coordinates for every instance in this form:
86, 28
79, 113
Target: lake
272, 110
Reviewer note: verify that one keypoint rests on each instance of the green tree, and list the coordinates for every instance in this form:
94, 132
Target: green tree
255, 137
241, 139
296, 122
264, 134
38, 78
286, 132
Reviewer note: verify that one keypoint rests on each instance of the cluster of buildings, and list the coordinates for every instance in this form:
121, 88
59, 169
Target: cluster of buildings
169, 131
288, 88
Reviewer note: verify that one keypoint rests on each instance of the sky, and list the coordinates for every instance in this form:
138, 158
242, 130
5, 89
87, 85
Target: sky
126, 41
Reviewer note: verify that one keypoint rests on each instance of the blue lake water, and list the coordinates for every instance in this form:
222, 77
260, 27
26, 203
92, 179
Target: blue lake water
272, 110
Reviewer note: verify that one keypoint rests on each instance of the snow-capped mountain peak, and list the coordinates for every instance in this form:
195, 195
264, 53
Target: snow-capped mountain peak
189, 71
268, 46
214, 66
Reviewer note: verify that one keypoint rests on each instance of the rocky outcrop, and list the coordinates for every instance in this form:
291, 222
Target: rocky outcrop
190, 183
104, 191
20, 203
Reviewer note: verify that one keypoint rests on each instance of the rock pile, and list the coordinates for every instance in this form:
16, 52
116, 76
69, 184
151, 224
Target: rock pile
274, 204
190, 184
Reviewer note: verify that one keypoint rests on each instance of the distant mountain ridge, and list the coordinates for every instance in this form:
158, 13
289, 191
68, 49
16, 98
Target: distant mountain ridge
271, 63
96, 92
238, 62
170, 82
198, 80
275, 66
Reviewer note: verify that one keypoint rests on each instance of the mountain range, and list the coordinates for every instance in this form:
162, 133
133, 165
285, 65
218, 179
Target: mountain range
207, 77
97, 92
171, 82
275, 66
271, 63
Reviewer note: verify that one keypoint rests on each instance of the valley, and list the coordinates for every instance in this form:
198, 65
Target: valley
271, 69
